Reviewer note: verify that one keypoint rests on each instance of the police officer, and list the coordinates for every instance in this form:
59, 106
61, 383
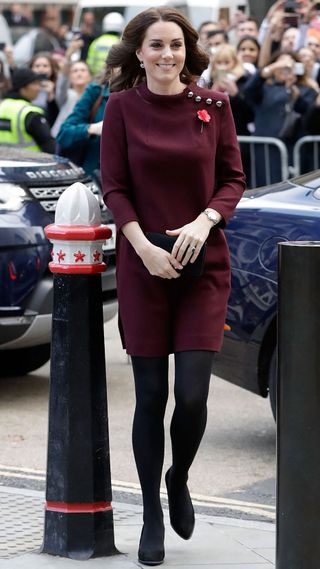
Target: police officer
112, 26
21, 122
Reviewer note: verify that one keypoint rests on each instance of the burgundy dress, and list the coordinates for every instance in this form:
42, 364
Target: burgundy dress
161, 166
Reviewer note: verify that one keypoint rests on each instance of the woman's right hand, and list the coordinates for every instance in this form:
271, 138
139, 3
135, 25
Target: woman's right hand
49, 87
157, 261
160, 263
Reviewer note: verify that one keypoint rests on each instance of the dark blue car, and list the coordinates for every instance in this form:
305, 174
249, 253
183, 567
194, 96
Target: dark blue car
287, 211
30, 185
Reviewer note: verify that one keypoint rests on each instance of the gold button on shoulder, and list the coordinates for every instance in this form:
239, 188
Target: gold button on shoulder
219, 104
198, 99
209, 101
190, 94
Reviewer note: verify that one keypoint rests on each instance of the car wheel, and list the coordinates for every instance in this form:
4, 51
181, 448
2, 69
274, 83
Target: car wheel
273, 383
20, 362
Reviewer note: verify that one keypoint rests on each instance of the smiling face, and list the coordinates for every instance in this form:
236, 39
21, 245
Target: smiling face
163, 54
248, 51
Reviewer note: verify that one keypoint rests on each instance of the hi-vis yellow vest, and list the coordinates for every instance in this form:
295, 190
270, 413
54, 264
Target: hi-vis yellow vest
13, 113
98, 51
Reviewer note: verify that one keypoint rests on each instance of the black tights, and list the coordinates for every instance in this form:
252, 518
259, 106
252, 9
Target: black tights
192, 378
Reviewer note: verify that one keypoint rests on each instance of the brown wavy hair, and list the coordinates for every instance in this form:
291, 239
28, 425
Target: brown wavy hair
52, 62
123, 69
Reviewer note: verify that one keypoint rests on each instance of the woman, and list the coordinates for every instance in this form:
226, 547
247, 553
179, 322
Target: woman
170, 164
45, 64
274, 92
229, 76
79, 135
248, 50
311, 66
79, 77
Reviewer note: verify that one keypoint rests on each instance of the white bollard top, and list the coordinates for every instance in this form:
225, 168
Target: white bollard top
77, 234
77, 206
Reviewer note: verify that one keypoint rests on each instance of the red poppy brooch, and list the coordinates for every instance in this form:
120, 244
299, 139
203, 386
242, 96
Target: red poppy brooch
204, 117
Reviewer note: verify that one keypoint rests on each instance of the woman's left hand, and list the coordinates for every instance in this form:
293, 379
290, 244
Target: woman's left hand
191, 239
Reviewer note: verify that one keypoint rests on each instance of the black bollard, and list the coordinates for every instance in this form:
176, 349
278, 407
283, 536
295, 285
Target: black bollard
78, 511
298, 416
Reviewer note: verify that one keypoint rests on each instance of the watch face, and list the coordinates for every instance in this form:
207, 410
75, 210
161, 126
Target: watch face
212, 216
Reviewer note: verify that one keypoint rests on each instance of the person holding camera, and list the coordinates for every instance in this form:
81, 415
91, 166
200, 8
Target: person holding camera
44, 63
281, 34
280, 95
302, 16
311, 66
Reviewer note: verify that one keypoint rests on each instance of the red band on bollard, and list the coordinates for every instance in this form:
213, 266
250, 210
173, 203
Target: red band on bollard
77, 269
66, 508
77, 232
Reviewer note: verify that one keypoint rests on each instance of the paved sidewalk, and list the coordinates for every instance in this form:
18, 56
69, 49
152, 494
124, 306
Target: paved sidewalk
217, 543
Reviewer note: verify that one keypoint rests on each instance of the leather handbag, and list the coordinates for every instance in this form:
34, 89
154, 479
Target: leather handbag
167, 242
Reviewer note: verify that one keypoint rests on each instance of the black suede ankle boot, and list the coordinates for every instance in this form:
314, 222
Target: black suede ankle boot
151, 547
181, 510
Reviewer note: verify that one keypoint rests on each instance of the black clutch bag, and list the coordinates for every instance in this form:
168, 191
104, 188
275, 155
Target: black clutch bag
167, 242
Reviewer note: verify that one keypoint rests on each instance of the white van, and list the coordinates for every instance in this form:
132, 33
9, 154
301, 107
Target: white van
196, 10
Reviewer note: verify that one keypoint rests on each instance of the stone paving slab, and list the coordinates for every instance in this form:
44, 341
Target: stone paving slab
217, 543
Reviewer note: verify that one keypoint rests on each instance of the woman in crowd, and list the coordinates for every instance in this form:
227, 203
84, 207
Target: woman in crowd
229, 76
44, 64
78, 78
248, 50
172, 176
311, 66
274, 92
79, 135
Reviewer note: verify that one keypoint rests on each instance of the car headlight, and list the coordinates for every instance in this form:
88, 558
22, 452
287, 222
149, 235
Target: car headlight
12, 197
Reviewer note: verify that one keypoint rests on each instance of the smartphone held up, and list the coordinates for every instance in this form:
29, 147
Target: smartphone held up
291, 16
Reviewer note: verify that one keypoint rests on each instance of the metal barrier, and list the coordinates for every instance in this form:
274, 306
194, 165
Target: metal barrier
297, 153
302, 160
266, 142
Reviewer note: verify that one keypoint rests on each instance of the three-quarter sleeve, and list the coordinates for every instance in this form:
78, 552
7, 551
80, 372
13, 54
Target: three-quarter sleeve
115, 173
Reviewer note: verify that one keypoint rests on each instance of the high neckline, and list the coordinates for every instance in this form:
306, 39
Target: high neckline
151, 97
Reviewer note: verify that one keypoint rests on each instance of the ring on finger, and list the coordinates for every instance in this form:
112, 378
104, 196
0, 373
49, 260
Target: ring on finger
193, 248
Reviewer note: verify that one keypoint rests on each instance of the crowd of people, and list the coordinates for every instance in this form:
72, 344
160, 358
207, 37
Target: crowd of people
52, 88
271, 73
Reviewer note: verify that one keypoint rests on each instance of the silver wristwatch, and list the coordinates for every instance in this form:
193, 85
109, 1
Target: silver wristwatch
212, 215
